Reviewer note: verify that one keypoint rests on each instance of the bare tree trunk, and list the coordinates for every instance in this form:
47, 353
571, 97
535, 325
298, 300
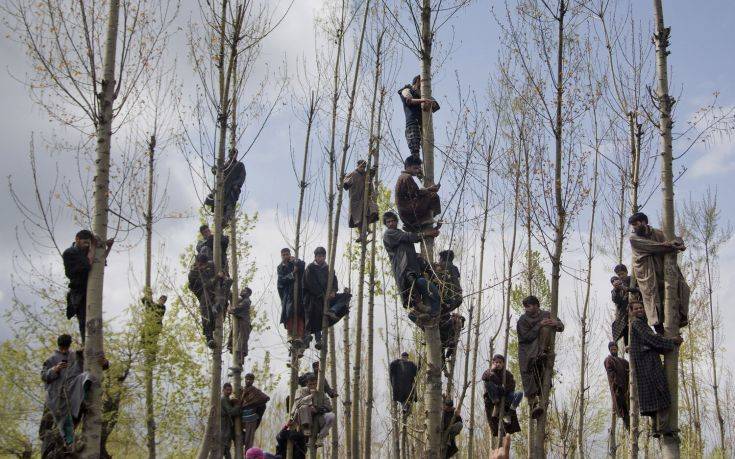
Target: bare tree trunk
333, 376
348, 397
294, 370
483, 239
94, 345
433, 391
712, 350
538, 447
670, 444
357, 368
368, 193
334, 230
583, 321
635, 135
149, 326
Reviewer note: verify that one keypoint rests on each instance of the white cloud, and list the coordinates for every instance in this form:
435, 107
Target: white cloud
718, 159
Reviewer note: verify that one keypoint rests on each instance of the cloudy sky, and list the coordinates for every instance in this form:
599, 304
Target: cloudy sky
701, 63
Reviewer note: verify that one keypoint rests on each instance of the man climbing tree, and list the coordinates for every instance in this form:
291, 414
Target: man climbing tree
534, 330
402, 374
78, 260
313, 416
241, 312
649, 246
205, 245
354, 183
654, 396
413, 106
620, 291
416, 206
451, 427
408, 272
252, 403
618, 374
229, 411
234, 178
316, 282
291, 291
500, 388
203, 281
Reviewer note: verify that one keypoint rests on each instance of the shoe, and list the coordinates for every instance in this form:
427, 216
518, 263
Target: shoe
318, 345
331, 316
536, 412
211, 344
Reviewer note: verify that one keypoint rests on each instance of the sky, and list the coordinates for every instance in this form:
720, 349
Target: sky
700, 43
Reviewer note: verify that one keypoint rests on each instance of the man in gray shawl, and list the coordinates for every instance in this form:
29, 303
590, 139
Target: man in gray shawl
241, 312
649, 247
534, 330
354, 183
66, 386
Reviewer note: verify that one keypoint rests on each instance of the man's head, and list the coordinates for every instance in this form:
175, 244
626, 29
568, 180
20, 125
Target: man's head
315, 366
637, 309
361, 165
531, 305
246, 292
249, 379
83, 239
226, 389
285, 255
412, 165
311, 382
498, 362
64, 342
446, 256
254, 453
416, 82
404, 355
233, 153
639, 222
621, 270
320, 255
613, 348
614, 280
201, 260
162, 299
390, 220
448, 404
205, 231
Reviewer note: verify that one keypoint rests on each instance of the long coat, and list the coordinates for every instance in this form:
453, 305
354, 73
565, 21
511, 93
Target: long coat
64, 391
648, 268
315, 288
403, 258
415, 205
286, 280
620, 299
618, 375
242, 312
532, 348
76, 268
355, 184
402, 376
645, 347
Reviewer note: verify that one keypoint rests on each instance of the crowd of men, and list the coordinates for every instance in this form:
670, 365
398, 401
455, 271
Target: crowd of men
430, 291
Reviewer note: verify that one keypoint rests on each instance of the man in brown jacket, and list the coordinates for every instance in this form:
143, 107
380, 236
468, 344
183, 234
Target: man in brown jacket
417, 207
649, 247
354, 183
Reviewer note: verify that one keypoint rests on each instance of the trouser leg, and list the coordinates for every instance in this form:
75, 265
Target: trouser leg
328, 421
82, 319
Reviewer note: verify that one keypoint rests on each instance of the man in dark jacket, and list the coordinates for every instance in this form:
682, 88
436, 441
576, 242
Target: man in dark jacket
241, 312
618, 375
316, 279
229, 410
413, 105
203, 283
499, 390
534, 330
205, 246
289, 432
78, 261
416, 206
291, 291
233, 174
654, 397
451, 427
407, 269
402, 377
620, 292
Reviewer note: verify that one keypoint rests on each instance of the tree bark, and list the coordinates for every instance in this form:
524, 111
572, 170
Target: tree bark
94, 345
538, 448
635, 135
670, 444
149, 326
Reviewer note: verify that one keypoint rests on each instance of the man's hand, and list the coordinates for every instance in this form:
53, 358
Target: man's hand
60, 366
548, 323
431, 232
677, 340
434, 188
504, 451
332, 295
221, 275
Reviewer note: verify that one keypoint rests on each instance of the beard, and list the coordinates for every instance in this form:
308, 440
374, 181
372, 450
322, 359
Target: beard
641, 230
